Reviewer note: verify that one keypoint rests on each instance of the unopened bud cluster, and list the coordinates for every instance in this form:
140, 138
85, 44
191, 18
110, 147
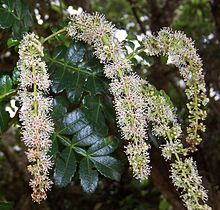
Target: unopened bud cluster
37, 126
125, 85
183, 54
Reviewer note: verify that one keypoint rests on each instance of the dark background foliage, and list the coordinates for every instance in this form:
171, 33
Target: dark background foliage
91, 172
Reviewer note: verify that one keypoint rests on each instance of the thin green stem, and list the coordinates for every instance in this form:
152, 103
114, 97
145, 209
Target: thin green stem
171, 142
65, 141
7, 94
133, 54
35, 102
68, 66
196, 116
54, 34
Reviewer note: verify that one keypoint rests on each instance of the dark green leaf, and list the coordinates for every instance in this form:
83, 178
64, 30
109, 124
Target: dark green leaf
80, 151
88, 176
108, 109
18, 29
15, 14
65, 76
108, 166
64, 140
60, 105
60, 52
65, 167
73, 76
75, 123
93, 108
54, 148
134, 61
15, 76
6, 18
75, 95
96, 84
23, 12
5, 84
105, 147
75, 52
19, 6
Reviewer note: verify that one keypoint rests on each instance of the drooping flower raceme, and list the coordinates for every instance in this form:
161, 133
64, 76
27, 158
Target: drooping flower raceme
125, 85
183, 55
184, 174
135, 104
160, 113
37, 126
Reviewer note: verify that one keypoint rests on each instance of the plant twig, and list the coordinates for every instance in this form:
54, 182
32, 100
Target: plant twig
134, 11
54, 34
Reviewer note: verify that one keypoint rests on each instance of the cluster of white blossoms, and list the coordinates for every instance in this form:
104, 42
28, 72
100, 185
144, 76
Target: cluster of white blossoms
137, 102
37, 125
125, 85
98, 32
161, 115
183, 53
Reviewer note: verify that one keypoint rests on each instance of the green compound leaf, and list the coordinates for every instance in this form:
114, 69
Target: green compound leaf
108, 166
23, 13
79, 76
76, 70
88, 176
96, 157
65, 167
105, 164
75, 124
65, 75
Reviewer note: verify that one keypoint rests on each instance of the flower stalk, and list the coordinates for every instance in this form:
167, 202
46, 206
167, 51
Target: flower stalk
125, 85
37, 125
183, 172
